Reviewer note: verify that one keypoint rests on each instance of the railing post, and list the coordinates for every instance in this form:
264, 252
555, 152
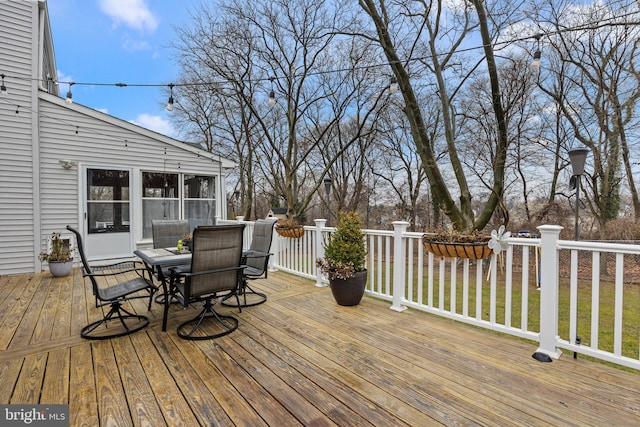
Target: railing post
399, 264
549, 291
274, 260
320, 225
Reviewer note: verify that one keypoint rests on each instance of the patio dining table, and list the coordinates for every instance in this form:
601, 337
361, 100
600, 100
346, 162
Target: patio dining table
155, 260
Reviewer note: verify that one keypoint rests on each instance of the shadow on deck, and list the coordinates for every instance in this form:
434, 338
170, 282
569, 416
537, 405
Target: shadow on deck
298, 359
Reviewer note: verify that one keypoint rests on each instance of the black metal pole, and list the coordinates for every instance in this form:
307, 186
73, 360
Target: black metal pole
576, 232
576, 235
328, 207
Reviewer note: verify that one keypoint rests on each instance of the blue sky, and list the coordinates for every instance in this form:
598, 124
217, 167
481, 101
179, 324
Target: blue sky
112, 41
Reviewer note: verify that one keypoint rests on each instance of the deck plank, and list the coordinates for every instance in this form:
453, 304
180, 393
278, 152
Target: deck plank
331, 397
212, 357
188, 378
112, 404
48, 311
62, 321
55, 387
15, 307
29, 383
298, 359
9, 372
140, 397
83, 401
174, 407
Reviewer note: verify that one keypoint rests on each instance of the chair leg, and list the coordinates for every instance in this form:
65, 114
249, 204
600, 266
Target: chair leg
229, 323
119, 314
256, 297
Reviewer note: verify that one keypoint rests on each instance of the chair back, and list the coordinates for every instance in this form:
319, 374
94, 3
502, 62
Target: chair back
85, 264
167, 232
215, 248
261, 242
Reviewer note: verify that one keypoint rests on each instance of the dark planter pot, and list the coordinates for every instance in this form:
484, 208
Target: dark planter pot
349, 291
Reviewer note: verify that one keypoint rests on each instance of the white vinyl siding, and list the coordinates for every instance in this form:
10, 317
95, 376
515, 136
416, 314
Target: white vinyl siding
17, 240
101, 141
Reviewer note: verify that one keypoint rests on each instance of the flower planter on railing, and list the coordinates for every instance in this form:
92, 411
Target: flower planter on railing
472, 250
290, 232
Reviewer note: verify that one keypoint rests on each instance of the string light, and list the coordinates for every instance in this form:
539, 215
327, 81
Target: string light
170, 102
3, 89
393, 85
535, 65
272, 94
69, 99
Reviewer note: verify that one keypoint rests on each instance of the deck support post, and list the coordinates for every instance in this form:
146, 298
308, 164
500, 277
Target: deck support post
320, 226
399, 274
548, 293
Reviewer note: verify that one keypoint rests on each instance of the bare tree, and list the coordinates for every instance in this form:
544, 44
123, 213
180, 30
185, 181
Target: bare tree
319, 78
401, 28
597, 87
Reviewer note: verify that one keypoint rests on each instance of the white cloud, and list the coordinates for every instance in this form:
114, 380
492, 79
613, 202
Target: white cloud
64, 79
134, 13
154, 123
135, 45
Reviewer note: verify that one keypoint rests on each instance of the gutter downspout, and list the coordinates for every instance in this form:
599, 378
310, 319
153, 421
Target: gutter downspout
41, 21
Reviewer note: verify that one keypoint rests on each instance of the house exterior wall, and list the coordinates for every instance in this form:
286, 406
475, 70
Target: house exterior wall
18, 171
39, 196
104, 141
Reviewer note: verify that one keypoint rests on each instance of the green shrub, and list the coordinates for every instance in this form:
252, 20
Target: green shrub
345, 252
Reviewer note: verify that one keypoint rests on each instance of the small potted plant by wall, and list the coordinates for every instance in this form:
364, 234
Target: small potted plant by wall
60, 257
344, 260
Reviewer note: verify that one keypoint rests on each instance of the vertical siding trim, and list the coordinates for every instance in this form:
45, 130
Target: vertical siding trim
36, 15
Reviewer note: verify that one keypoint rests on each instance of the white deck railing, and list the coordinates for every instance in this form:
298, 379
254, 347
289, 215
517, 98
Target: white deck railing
529, 290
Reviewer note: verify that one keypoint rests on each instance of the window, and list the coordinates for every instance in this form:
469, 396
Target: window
107, 200
199, 200
162, 199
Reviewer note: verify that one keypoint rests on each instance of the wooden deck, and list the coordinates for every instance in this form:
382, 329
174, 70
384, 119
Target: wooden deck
299, 359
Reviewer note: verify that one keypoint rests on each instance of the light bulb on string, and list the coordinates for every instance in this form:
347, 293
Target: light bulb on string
170, 102
393, 85
3, 89
537, 55
272, 94
69, 99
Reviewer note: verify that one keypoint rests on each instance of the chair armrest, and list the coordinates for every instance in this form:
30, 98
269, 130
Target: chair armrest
255, 254
177, 272
130, 265
139, 271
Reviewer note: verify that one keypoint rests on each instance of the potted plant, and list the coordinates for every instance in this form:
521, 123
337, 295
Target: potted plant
453, 244
344, 260
60, 257
289, 228
187, 241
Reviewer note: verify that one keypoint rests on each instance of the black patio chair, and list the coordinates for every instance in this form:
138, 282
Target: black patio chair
118, 321
166, 233
216, 271
256, 260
